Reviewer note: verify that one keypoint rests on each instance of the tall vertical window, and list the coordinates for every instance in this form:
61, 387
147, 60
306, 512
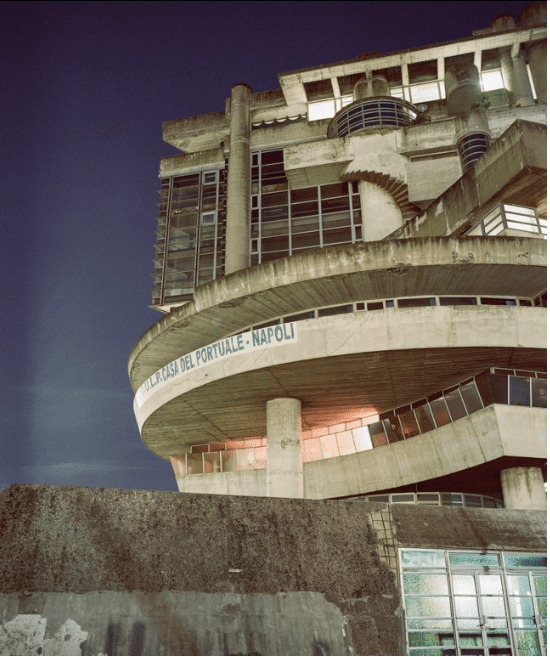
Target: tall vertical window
473, 603
287, 222
191, 224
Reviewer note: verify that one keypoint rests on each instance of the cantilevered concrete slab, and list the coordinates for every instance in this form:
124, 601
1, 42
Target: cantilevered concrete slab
339, 275
340, 368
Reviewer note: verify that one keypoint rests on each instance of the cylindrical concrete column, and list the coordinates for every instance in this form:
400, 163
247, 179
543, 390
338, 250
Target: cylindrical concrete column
284, 459
462, 89
532, 16
237, 242
523, 94
523, 488
381, 214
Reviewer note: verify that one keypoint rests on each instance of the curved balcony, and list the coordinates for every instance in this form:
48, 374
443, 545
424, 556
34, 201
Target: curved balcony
371, 113
516, 388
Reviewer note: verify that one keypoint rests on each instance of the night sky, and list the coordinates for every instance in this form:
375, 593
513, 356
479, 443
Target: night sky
85, 88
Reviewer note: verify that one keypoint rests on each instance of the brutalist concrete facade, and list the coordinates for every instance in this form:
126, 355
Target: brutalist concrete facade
353, 271
353, 274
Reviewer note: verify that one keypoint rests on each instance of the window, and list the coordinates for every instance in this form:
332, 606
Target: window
474, 603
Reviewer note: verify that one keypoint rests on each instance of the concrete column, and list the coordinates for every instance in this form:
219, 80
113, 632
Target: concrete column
523, 95
536, 55
532, 16
523, 488
381, 214
237, 243
462, 89
284, 459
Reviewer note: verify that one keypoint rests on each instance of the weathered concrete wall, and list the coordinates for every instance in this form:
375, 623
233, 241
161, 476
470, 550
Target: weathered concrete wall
499, 175
101, 571
192, 574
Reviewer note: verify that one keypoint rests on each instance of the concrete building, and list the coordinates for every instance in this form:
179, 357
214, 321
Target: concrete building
353, 274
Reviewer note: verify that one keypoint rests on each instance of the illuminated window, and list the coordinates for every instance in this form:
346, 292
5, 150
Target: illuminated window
473, 603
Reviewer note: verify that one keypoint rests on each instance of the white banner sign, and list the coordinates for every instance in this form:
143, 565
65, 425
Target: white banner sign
243, 343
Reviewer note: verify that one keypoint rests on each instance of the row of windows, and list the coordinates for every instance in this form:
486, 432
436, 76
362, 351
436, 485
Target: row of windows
433, 499
474, 603
514, 217
523, 388
490, 82
190, 244
404, 302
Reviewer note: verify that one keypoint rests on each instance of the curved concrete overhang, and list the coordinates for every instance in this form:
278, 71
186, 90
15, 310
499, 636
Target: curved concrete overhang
340, 367
514, 433
338, 275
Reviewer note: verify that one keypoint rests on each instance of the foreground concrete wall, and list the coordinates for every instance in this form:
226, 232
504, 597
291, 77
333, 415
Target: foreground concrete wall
169, 574
101, 571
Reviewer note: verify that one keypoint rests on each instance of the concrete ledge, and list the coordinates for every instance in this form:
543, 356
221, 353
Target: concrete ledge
487, 435
374, 361
339, 275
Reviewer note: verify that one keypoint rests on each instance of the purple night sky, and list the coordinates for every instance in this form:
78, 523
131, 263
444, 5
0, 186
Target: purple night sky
86, 86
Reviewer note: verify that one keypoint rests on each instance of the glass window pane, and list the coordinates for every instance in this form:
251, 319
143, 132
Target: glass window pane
245, 459
498, 638
313, 449
431, 639
429, 624
408, 422
525, 560
455, 404
422, 559
469, 639
490, 584
440, 413
377, 434
428, 606
229, 461
424, 417
362, 439
345, 442
393, 429
194, 464
472, 559
330, 448
471, 397
520, 606
261, 457
542, 603
518, 585
464, 585
466, 606
424, 584
473, 501
540, 585
528, 643
211, 462
539, 392
493, 606
520, 388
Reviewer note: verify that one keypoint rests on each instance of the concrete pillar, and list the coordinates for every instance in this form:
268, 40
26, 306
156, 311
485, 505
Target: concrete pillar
284, 459
237, 243
532, 16
376, 85
381, 214
523, 488
523, 95
462, 88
